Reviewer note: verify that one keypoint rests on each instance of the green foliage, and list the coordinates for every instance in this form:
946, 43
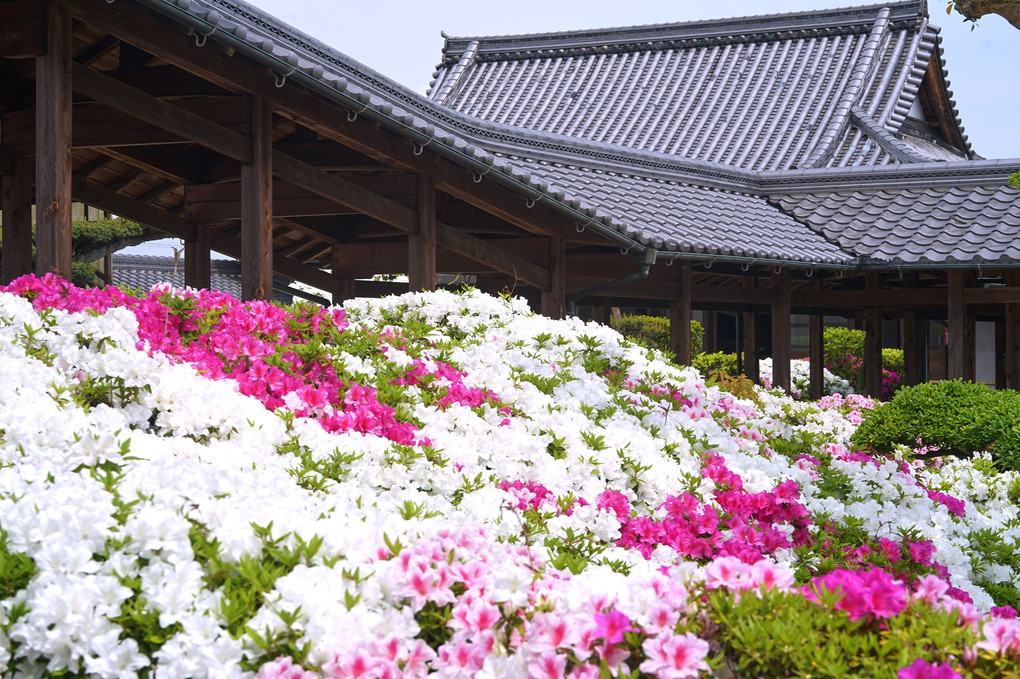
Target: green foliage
844, 348
715, 362
1014, 180
90, 237
892, 359
653, 332
779, 634
959, 418
16, 569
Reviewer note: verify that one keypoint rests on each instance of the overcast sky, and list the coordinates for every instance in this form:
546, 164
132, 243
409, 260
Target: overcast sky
401, 39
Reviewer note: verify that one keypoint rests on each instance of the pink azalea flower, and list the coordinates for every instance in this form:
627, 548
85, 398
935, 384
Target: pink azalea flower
674, 656
613, 625
548, 665
1002, 635
284, 668
922, 669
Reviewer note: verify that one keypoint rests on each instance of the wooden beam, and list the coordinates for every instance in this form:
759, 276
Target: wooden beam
22, 29
329, 120
164, 115
1011, 336
750, 317
231, 246
16, 204
873, 339
680, 313
493, 256
53, 144
816, 355
781, 331
554, 299
257, 207
197, 265
92, 194
345, 192
163, 164
957, 314
217, 203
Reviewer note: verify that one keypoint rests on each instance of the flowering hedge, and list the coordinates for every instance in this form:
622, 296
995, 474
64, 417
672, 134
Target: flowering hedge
448, 484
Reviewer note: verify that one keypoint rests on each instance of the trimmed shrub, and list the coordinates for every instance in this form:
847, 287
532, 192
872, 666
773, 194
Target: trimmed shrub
653, 331
958, 418
716, 362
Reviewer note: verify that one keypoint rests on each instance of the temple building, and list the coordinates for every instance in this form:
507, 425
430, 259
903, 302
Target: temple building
762, 169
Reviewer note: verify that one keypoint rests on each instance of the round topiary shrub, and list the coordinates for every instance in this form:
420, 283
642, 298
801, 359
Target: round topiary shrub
955, 417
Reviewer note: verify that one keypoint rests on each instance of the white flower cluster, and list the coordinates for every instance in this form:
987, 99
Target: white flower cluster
118, 499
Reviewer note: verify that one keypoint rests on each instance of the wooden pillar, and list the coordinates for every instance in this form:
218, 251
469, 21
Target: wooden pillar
16, 204
257, 206
873, 340
1011, 335
680, 316
751, 337
421, 247
53, 144
914, 342
554, 300
781, 331
957, 314
710, 342
816, 354
197, 264
343, 289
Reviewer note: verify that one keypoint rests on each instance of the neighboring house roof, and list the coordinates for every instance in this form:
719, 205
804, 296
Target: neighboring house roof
774, 92
651, 196
144, 271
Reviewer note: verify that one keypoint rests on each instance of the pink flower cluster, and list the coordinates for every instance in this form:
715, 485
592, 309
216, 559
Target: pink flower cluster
456, 392
871, 593
275, 355
745, 525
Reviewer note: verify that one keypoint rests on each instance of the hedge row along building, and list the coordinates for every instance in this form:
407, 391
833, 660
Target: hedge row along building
810, 163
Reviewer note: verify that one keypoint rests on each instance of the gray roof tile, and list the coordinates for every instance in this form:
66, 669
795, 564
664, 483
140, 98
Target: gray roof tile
975, 224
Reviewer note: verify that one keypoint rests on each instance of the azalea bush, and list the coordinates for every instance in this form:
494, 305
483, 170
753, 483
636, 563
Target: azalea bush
448, 484
653, 331
951, 417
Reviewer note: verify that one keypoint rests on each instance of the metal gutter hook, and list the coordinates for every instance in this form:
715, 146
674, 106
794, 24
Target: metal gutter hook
529, 202
477, 176
777, 269
418, 149
199, 41
351, 118
745, 266
581, 227
810, 273
281, 79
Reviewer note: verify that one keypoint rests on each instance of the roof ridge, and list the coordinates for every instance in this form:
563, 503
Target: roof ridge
863, 73
445, 86
883, 137
733, 29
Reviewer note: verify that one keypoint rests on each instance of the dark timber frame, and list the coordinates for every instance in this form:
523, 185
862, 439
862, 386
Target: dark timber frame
182, 134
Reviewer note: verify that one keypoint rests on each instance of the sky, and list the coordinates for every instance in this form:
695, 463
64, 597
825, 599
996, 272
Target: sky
401, 39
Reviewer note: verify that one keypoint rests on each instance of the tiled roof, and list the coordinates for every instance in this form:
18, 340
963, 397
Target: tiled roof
768, 93
977, 225
512, 155
143, 271
681, 217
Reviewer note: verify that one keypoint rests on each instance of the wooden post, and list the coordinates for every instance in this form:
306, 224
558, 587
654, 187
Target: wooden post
781, 331
873, 340
197, 264
554, 300
914, 346
421, 247
680, 316
1011, 335
343, 285
751, 337
816, 354
957, 314
53, 144
257, 206
16, 204
710, 342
